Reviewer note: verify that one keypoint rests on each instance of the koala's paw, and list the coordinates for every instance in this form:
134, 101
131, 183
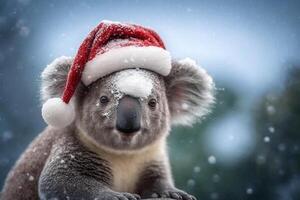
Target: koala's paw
117, 196
174, 194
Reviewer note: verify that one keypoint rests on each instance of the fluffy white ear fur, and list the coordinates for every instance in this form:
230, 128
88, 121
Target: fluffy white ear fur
54, 77
190, 92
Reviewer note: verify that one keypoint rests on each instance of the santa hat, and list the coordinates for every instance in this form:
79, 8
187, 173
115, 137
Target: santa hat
110, 47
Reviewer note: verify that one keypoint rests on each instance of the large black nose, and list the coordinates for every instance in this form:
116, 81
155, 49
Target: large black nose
128, 115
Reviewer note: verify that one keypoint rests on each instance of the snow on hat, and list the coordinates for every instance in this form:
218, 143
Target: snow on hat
110, 47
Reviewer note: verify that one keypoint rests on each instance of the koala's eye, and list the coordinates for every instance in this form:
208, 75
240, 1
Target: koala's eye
104, 99
152, 103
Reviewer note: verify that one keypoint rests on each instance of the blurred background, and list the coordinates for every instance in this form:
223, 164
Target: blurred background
248, 148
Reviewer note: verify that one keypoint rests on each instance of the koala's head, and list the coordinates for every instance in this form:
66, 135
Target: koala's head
133, 108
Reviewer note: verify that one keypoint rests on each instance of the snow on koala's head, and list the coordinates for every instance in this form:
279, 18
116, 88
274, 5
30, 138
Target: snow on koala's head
134, 82
112, 103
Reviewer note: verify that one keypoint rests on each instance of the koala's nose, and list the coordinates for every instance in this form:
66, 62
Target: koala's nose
128, 115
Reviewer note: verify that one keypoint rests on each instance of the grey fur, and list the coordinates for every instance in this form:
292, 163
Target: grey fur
190, 92
90, 112
71, 163
79, 173
154, 180
54, 77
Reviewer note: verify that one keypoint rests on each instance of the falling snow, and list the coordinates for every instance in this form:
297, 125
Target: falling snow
271, 110
271, 129
197, 169
214, 195
267, 139
23, 29
185, 106
106, 114
212, 160
216, 178
260, 159
31, 178
191, 182
6, 136
281, 147
249, 191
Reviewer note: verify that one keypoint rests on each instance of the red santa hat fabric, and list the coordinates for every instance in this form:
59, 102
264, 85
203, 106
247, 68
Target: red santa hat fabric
110, 47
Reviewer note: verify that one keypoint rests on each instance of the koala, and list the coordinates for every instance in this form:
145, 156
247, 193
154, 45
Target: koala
107, 133
117, 146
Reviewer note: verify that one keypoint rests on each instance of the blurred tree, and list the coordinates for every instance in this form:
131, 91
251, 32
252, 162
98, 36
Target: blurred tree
192, 172
271, 172
278, 140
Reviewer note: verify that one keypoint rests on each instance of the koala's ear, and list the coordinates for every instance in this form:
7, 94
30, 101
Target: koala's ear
54, 77
190, 92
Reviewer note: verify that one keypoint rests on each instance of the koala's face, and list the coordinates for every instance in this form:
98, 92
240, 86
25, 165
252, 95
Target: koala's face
131, 109
126, 110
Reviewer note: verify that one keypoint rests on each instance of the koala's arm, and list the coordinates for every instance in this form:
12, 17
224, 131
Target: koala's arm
156, 181
73, 172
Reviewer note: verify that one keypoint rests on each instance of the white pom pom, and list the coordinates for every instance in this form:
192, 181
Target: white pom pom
57, 113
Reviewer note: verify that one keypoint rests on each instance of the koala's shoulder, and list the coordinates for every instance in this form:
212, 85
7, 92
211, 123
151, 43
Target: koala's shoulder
42, 145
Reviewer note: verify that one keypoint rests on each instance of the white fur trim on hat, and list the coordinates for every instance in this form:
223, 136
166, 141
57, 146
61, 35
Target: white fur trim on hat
57, 113
152, 58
